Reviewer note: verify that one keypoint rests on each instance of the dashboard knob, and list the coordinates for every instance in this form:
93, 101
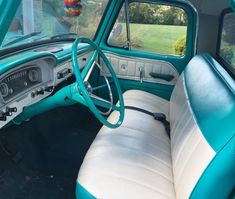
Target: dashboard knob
7, 113
3, 118
64, 73
40, 92
49, 88
33, 94
14, 109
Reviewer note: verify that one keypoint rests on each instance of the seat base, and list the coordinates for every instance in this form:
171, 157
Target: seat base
134, 160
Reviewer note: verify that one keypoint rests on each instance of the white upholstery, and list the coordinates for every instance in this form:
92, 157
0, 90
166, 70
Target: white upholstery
146, 101
132, 157
138, 160
189, 149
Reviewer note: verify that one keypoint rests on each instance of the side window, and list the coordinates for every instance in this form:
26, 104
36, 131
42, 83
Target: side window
227, 41
153, 28
118, 35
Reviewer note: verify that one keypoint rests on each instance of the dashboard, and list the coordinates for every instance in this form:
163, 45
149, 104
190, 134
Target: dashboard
32, 81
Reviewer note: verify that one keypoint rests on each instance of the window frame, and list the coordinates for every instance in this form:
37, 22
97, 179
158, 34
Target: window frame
101, 20
230, 69
157, 3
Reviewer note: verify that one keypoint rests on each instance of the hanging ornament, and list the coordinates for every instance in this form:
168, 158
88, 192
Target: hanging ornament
73, 7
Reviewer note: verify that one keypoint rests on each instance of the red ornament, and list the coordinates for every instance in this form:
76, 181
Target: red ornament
73, 7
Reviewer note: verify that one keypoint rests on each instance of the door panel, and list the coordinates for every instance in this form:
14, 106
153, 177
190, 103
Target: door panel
141, 69
138, 45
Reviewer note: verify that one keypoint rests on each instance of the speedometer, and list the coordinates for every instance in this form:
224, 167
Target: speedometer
4, 89
34, 75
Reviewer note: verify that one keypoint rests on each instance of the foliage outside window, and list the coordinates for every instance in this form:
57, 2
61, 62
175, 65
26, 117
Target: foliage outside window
154, 28
227, 43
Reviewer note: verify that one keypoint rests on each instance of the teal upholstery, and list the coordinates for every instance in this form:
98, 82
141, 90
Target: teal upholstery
82, 193
233, 4
211, 96
219, 179
213, 103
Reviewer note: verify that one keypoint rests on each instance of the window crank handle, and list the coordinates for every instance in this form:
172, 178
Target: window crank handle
141, 70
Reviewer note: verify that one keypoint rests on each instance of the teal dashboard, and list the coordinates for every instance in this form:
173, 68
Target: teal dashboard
31, 75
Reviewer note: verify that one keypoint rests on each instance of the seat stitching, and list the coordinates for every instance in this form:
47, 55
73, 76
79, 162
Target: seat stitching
132, 149
133, 137
182, 146
147, 98
146, 132
181, 132
177, 124
185, 163
141, 166
132, 181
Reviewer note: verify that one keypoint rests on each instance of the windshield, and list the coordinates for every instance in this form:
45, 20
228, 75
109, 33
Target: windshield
51, 19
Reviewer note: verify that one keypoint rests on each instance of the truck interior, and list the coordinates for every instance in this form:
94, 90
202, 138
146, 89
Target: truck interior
117, 99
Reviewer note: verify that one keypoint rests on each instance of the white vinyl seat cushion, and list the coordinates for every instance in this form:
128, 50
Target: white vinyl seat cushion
147, 101
134, 159
139, 161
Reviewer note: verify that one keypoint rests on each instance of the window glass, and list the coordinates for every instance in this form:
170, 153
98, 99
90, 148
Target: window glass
43, 19
118, 35
154, 28
227, 43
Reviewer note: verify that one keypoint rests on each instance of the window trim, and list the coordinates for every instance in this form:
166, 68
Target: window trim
157, 3
101, 21
225, 64
112, 26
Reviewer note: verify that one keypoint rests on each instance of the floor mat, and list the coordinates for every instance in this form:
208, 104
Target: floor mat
41, 159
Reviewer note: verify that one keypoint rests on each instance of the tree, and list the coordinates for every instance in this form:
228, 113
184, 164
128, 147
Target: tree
146, 13
229, 29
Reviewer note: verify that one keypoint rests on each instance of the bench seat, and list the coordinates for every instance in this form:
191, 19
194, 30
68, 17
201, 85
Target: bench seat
138, 160
131, 152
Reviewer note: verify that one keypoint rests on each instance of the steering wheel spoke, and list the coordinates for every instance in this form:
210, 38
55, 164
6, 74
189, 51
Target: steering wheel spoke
88, 68
85, 90
104, 103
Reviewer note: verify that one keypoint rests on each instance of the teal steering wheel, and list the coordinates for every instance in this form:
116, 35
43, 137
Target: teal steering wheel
85, 90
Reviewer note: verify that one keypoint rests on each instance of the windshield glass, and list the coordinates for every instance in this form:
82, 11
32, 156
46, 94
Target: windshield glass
44, 19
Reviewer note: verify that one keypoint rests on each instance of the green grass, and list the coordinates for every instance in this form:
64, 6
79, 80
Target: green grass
149, 38
156, 38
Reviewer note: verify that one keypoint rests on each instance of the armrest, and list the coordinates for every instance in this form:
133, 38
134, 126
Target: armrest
165, 77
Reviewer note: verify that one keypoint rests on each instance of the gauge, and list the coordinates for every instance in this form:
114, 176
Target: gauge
4, 89
34, 75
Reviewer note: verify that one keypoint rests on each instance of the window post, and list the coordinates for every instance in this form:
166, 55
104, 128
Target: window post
127, 25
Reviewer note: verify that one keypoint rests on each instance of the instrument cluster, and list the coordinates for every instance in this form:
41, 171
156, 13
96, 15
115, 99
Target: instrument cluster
31, 82
19, 81
25, 85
